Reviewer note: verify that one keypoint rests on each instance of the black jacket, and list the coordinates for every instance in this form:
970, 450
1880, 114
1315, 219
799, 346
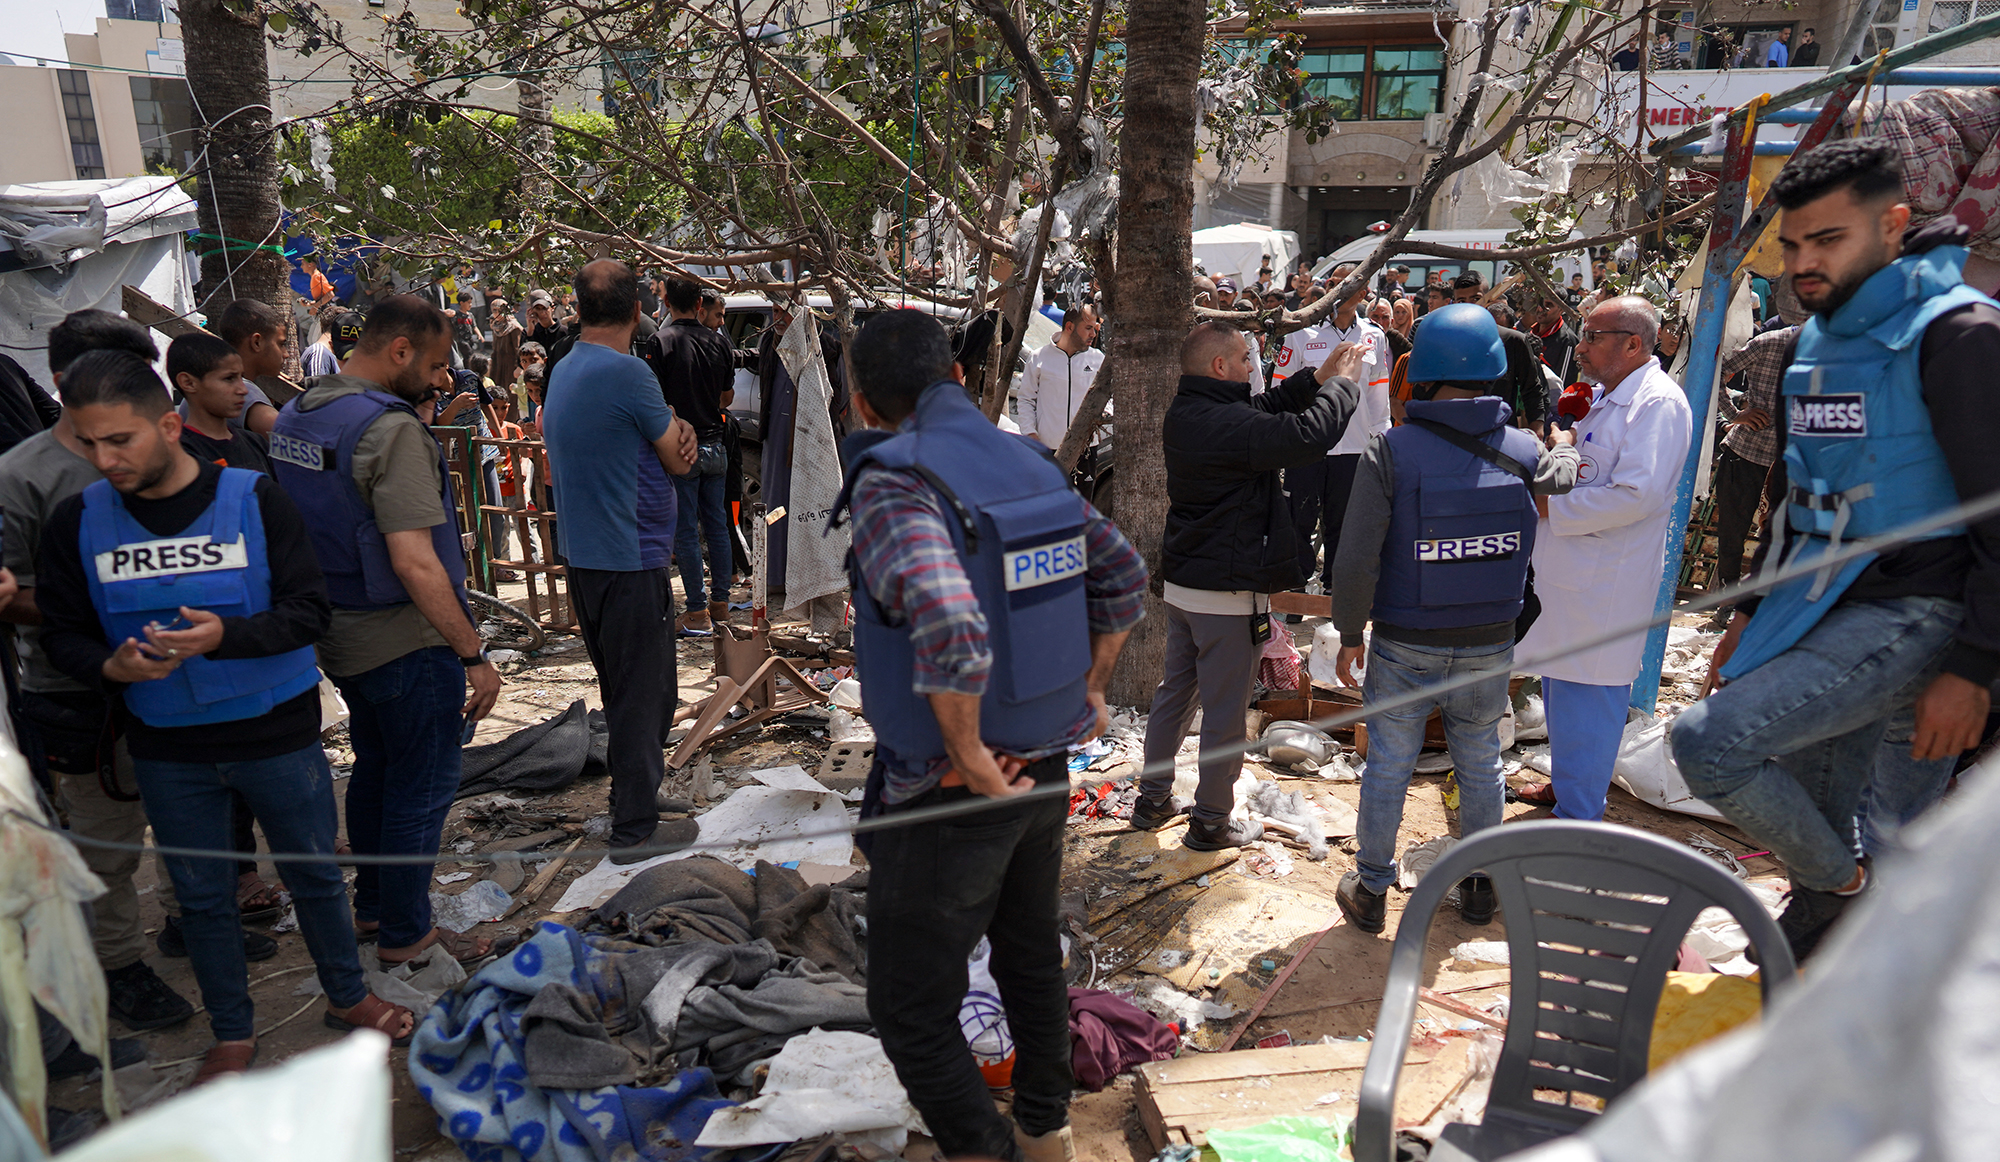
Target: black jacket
1228, 523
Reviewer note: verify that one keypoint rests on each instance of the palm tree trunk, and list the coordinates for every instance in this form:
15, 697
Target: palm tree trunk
1154, 272
238, 173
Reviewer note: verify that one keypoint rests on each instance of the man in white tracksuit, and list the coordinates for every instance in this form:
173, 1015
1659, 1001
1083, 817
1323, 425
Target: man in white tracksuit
1600, 549
1058, 376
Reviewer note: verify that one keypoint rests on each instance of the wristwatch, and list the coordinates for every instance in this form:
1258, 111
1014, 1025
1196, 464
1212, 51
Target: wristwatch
478, 659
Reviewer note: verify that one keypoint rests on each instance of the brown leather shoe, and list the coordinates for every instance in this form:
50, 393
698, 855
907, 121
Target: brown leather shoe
718, 612
693, 621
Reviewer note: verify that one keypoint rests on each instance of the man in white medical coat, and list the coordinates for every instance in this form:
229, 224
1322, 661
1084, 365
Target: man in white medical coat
1600, 550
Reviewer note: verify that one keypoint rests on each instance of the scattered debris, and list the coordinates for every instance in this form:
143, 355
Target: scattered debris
1419, 858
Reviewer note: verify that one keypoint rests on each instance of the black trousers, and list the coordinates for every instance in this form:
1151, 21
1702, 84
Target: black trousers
1739, 486
628, 629
933, 890
1319, 492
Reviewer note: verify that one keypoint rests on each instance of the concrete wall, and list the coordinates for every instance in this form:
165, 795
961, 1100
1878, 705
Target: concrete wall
37, 142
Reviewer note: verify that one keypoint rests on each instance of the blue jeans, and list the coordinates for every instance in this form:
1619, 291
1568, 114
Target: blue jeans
701, 499
408, 718
291, 796
1823, 708
1395, 737
1586, 724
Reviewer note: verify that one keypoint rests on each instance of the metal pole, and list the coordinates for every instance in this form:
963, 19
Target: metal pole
1698, 383
760, 540
1727, 244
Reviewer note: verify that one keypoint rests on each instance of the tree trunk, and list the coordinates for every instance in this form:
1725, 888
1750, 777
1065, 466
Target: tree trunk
229, 78
1155, 270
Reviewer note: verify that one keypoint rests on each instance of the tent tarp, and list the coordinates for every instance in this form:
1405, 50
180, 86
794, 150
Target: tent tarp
1237, 251
143, 247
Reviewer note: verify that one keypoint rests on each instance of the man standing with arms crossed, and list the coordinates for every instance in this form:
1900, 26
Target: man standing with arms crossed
371, 482
693, 365
990, 605
612, 442
1599, 550
1874, 673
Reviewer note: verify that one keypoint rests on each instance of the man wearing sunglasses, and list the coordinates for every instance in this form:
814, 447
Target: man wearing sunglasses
1599, 549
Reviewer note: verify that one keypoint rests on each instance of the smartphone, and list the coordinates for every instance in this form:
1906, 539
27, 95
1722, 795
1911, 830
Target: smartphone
471, 725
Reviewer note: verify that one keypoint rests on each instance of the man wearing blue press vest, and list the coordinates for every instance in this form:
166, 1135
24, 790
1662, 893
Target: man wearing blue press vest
355, 454
1435, 551
190, 589
1873, 675
990, 603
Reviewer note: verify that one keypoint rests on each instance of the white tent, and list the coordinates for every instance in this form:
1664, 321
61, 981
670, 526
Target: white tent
1236, 251
65, 246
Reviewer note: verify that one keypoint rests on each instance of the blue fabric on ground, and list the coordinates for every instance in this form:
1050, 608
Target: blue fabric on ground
467, 1059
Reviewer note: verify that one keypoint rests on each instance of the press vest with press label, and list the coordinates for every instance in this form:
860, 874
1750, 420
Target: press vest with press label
1461, 529
312, 458
1861, 458
217, 564
1019, 531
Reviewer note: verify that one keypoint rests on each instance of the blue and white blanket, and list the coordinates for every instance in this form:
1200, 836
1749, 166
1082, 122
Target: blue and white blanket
468, 1061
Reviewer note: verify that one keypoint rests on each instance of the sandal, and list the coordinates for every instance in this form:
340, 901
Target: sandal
375, 1013
223, 1059
461, 947
257, 900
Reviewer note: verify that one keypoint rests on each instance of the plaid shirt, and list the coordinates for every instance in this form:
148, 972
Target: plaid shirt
1762, 362
907, 560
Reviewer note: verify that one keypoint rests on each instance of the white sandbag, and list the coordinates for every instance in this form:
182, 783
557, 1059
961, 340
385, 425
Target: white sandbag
819, 1082
326, 1105
1646, 768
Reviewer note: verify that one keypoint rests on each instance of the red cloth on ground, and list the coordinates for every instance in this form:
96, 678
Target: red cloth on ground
1109, 1036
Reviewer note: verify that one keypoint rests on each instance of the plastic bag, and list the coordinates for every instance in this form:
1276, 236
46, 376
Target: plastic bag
1283, 1140
983, 1019
1326, 653
326, 1105
1646, 768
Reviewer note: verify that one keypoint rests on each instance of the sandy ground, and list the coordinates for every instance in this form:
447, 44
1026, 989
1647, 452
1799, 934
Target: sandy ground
1335, 990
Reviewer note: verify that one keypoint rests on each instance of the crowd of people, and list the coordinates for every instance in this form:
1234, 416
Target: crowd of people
190, 563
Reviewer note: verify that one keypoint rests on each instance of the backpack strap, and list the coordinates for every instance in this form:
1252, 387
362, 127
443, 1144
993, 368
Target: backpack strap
1479, 448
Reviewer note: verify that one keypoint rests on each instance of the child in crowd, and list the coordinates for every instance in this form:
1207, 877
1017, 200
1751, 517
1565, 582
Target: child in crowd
261, 337
209, 376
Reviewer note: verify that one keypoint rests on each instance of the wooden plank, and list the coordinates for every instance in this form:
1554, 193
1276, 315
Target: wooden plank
1180, 1101
1303, 604
141, 307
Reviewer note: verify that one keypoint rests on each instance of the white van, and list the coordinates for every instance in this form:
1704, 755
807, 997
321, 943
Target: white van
1421, 265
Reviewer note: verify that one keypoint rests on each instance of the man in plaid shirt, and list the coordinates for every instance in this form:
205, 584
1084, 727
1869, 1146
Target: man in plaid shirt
1751, 445
991, 603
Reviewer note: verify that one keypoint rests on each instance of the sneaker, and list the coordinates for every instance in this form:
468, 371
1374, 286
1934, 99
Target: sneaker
1476, 900
674, 833
1365, 909
256, 945
694, 623
68, 1127
1148, 815
1808, 917
1233, 833
142, 1001
1054, 1146
74, 1062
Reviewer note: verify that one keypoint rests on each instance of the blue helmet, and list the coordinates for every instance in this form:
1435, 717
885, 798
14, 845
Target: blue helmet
1457, 342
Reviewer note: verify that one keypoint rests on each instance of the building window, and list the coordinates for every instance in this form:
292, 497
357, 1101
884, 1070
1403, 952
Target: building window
84, 147
1409, 83
1944, 14
165, 116
1387, 83
151, 11
1337, 76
